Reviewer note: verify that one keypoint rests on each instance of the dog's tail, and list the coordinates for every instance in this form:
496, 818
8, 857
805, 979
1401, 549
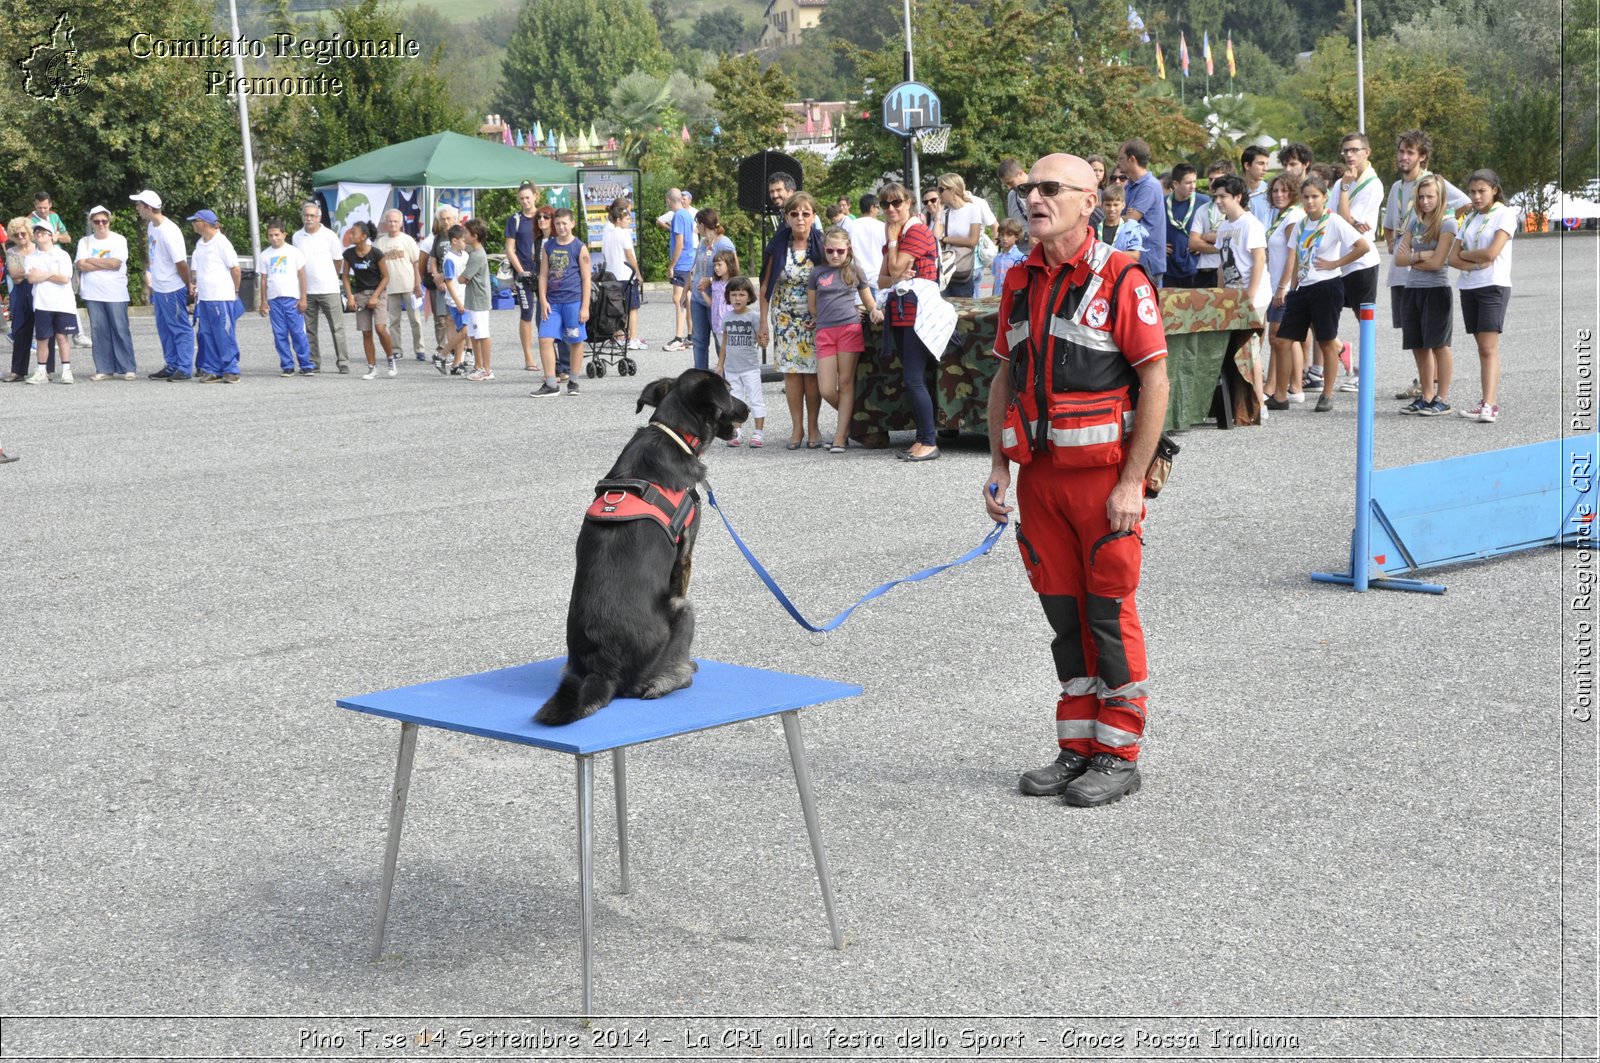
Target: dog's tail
576, 697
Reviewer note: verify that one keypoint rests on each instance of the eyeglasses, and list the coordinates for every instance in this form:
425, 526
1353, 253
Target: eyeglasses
891, 202
839, 251
801, 213
1121, 178
99, 221
931, 200
1047, 189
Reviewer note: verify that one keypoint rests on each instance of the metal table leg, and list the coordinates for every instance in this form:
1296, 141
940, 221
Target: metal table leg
586, 878
619, 765
397, 818
808, 805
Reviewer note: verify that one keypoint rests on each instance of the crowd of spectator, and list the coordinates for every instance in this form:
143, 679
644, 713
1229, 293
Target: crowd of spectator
1302, 247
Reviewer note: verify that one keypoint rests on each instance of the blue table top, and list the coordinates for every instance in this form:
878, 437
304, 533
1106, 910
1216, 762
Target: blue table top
501, 704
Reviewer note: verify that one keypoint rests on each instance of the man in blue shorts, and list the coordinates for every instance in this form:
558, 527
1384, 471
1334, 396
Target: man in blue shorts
681, 256
521, 233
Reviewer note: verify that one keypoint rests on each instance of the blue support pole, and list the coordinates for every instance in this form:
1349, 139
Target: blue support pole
1360, 575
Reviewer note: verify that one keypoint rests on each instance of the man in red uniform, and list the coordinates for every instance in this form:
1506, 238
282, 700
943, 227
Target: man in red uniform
1079, 404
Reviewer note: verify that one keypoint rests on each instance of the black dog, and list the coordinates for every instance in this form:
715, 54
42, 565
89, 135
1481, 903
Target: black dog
630, 623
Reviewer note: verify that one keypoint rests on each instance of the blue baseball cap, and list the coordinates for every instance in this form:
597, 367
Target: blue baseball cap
205, 216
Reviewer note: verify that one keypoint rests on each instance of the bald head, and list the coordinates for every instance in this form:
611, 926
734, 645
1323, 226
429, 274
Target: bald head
1060, 221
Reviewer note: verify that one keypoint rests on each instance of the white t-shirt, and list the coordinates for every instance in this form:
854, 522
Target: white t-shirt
1236, 240
985, 211
55, 296
104, 285
282, 267
1207, 219
1478, 232
867, 237
1329, 237
322, 251
1278, 245
1366, 203
1397, 211
212, 265
166, 250
614, 246
403, 277
959, 223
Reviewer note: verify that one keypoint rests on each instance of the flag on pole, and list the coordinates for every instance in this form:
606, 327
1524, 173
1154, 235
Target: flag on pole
505, 134
1183, 53
1161, 67
1136, 25
1232, 69
1206, 53
538, 132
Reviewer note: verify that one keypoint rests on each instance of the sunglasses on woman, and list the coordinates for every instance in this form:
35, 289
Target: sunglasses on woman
832, 252
892, 202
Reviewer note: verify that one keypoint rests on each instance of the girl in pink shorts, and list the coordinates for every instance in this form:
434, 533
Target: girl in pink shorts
837, 293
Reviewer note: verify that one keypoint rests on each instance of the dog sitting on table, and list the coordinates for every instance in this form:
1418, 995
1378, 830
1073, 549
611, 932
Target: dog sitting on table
629, 623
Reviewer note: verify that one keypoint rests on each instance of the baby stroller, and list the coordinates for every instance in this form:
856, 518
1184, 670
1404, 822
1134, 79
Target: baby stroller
608, 327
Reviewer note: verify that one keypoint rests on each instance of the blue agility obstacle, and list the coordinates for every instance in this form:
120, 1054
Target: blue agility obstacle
1466, 508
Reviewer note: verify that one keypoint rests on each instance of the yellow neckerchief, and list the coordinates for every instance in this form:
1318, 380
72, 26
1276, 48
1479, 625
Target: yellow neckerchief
1283, 216
1483, 216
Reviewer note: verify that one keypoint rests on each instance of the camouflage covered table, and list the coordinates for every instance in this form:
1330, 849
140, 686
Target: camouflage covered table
1204, 326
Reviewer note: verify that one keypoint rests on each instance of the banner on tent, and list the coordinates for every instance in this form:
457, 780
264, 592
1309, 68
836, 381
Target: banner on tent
358, 202
462, 199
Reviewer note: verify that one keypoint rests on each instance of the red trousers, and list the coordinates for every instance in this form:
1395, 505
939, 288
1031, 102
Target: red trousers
1086, 576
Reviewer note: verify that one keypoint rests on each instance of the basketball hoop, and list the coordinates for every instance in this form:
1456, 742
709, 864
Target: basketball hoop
933, 139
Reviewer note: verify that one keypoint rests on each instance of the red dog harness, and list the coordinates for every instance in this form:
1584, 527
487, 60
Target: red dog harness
625, 499
642, 500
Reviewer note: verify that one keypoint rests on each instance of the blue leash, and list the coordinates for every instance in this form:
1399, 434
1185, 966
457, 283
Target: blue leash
783, 599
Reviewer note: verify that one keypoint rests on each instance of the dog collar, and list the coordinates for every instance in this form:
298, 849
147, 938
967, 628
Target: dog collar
689, 443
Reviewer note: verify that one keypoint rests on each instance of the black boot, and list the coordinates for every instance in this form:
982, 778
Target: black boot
1054, 776
1108, 778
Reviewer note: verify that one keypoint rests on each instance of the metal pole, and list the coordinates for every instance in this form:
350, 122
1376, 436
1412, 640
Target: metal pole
244, 136
1361, 537
1361, 74
913, 174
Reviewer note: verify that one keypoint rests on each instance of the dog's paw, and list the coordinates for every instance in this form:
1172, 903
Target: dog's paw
673, 679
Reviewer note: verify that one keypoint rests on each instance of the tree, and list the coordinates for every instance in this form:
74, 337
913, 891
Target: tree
133, 123
722, 31
749, 117
472, 51
1016, 79
384, 101
566, 55
1405, 89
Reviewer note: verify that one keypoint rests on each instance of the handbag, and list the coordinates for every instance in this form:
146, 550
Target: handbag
950, 259
984, 253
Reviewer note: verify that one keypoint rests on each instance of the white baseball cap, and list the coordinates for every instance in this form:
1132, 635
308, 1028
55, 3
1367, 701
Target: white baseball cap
99, 210
148, 198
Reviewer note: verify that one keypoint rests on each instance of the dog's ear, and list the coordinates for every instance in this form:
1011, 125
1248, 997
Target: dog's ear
654, 392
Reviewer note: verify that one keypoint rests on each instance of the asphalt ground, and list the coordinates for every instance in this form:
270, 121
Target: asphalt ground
1367, 822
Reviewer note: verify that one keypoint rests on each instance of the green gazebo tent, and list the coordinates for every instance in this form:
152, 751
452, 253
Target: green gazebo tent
445, 161
448, 160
